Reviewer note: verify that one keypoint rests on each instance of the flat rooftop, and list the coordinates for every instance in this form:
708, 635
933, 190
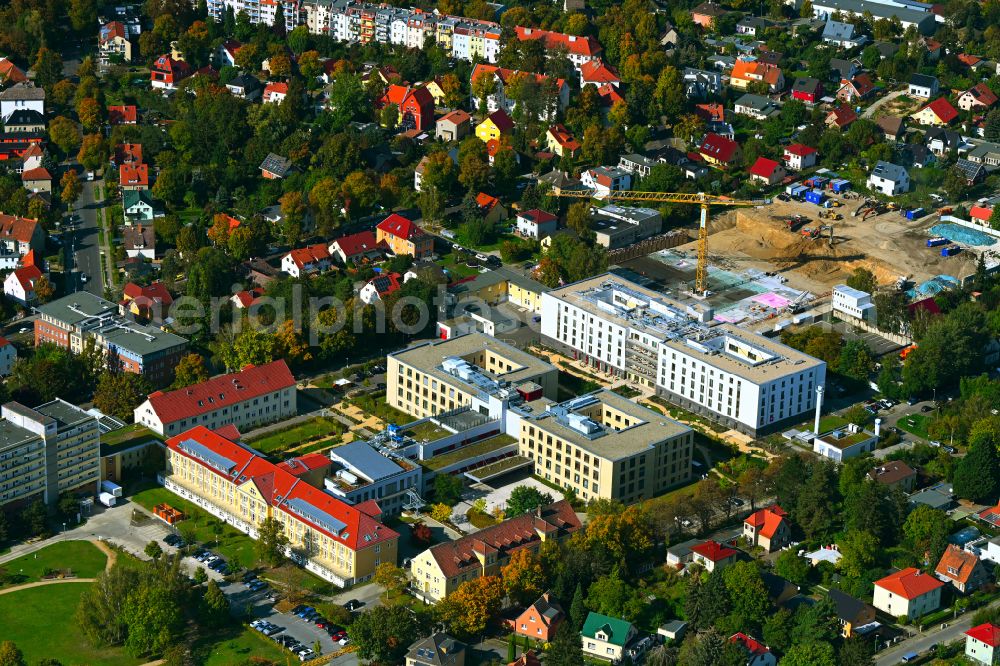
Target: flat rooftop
686, 327
64, 413
496, 276
12, 435
365, 460
576, 421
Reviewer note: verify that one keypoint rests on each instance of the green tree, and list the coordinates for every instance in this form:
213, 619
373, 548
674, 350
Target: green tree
856, 651
48, 66
11, 655
189, 370
215, 606
577, 610
271, 542
252, 346
612, 596
792, 567
200, 576
119, 393
448, 489
856, 360
153, 549
566, 648
976, 476
154, 620
777, 630
747, 593
525, 499
812, 653
926, 530
859, 552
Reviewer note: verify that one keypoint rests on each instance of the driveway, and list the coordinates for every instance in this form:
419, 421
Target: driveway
871, 110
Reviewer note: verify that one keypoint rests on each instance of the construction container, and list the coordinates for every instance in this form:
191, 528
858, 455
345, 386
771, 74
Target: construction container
950, 251
817, 181
915, 214
799, 191
790, 189
840, 185
935, 242
815, 197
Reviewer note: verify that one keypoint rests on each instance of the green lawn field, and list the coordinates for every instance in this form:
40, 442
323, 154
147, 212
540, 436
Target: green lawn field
84, 558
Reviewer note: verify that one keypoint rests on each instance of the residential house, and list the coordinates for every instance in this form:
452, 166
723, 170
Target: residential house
127, 152
807, 89
437, 92
167, 72
21, 96
453, 126
894, 474
914, 155
123, 114
242, 300
844, 35
670, 37
701, 83
490, 208
752, 26
561, 142
856, 617
982, 643
932, 48
978, 96
18, 237
962, 569
275, 92
756, 106
357, 248
8, 356
706, 13
418, 173
974, 173
923, 86
843, 70
986, 152
113, 43
275, 167
981, 214
24, 121
37, 179
746, 72
139, 241
892, 126
540, 620
225, 54
415, 104
494, 126
841, 117
19, 285
438, 649
579, 50
768, 528
606, 637
637, 165
909, 592
798, 156
940, 112
844, 443
245, 86
766, 171
713, 555
133, 176
856, 89
499, 100
404, 237
604, 180
711, 113
598, 74
536, 223
149, 303
11, 73
137, 206
307, 260
941, 141
758, 654
889, 179
886, 49
719, 151
379, 287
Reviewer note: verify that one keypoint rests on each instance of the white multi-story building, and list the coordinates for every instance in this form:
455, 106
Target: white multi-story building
259, 11
853, 303
738, 378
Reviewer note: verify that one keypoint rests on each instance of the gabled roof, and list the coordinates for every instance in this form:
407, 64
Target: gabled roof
708, 9
986, 633
122, 115
563, 137
909, 583
132, 173
862, 84
38, 173
357, 244
486, 201
111, 30
713, 551
596, 72
923, 81
132, 197
503, 122
537, 216
139, 237
276, 164
890, 124
943, 109
548, 609
718, 147
386, 284
275, 88
800, 149
399, 226
961, 562
304, 256
982, 94
25, 117
456, 117
580, 46
26, 276
128, 152
615, 629
968, 60
767, 520
21, 229
609, 95
752, 645
839, 31
754, 70
806, 84
11, 73
848, 608
763, 167
712, 112
842, 116
24, 91
154, 292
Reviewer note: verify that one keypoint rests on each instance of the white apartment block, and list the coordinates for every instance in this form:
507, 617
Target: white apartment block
853, 303
259, 11
740, 379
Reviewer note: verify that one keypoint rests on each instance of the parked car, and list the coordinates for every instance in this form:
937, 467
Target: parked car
950, 449
926, 408
353, 605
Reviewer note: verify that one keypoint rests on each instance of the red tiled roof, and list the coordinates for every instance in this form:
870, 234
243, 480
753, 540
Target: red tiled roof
563, 137
458, 116
38, 173
763, 167
4, 341
486, 201
596, 72
713, 551
309, 254
386, 284
980, 212
503, 122
862, 84
221, 391
767, 520
155, 291
799, 149
128, 152
842, 116
400, 227
275, 88
359, 243
34, 150
229, 431
718, 147
713, 112
909, 583
132, 173
982, 94
986, 633
11, 73
943, 109
968, 60
754, 646
122, 115
307, 463
754, 70
609, 95
247, 298
279, 488
456, 557
537, 216
29, 259
27, 275
505, 75
960, 561
581, 46
17, 228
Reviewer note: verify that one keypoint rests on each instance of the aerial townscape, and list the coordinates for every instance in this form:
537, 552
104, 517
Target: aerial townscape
549, 333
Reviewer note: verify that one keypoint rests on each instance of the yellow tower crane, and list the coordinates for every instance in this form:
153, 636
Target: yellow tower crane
697, 199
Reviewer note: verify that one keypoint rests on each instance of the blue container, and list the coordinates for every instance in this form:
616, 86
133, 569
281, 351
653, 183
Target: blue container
951, 250
915, 214
840, 185
935, 242
815, 197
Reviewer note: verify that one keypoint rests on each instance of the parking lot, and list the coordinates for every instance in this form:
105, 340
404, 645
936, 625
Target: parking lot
303, 632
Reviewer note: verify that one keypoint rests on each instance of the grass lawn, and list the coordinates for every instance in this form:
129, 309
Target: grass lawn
456, 268
240, 645
40, 621
462, 239
915, 424
470, 451
480, 520
428, 430
375, 405
84, 558
127, 436
831, 422
232, 544
281, 440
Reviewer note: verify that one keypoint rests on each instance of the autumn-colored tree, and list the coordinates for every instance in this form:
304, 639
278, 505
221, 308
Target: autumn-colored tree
578, 217
93, 151
189, 370
71, 187
439, 172
324, 201
547, 272
65, 134
89, 111
523, 577
421, 533
310, 65
483, 86
280, 66
358, 191
389, 576
473, 172
44, 289
218, 233
441, 512
389, 190
468, 610
248, 57
452, 89
289, 345
622, 534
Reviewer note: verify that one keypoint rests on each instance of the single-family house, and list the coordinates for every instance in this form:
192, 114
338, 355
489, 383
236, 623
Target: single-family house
127, 152
245, 86
242, 300
637, 165
490, 208
914, 155
856, 89
113, 43
597, 73
275, 167
758, 654
853, 614
701, 83
757, 107
713, 555
21, 96
307, 260
909, 592
133, 176
540, 620
844, 443
604, 180
982, 643
798, 156
415, 105
766, 171
379, 287
889, 179
167, 72
606, 637
404, 236
713, 112
37, 179
746, 72
807, 89
19, 285
978, 96
843, 70
841, 117
137, 206
453, 126
962, 569
893, 127
559, 140
225, 54
719, 151
275, 92
494, 126
941, 141
940, 112
752, 25
894, 474
768, 528
923, 86
974, 173
536, 223
844, 35
8, 355
438, 649
24, 121
139, 240
356, 248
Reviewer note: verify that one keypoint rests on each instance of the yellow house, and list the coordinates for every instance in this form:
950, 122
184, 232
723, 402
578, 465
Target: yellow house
502, 285
434, 88
561, 142
939, 113
496, 125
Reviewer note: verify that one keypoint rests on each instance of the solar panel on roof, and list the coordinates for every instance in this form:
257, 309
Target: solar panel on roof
206, 455
316, 515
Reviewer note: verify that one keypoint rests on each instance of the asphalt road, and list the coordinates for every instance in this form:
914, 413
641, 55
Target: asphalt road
85, 247
921, 642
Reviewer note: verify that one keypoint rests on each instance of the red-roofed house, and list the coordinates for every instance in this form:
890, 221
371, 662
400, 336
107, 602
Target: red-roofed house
167, 72
536, 223
980, 214
133, 176
768, 528
357, 248
113, 43
311, 468
150, 302
579, 50
307, 260
858, 88
247, 399
841, 117
20, 235
453, 126
241, 300
798, 156
540, 620
978, 96
746, 72
713, 555
37, 180
275, 92
416, 106
712, 112
767, 171
758, 654
940, 112
981, 643
379, 287
126, 153
123, 115
403, 236
962, 569
561, 142
11, 73
343, 542
20, 284
490, 208
501, 77
597, 73
909, 592
719, 151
